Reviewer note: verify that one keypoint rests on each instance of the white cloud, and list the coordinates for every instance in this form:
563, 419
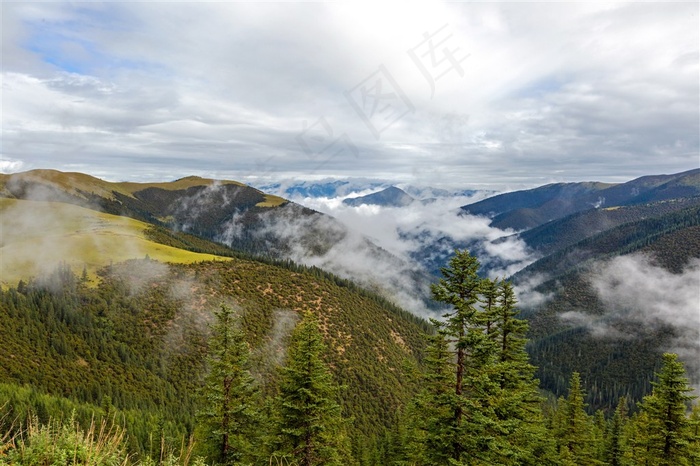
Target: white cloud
553, 91
385, 225
634, 289
11, 166
433, 229
318, 240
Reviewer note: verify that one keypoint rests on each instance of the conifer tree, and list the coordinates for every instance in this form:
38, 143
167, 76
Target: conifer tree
229, 415
574, 425
668, 433
598, 437
463, 329
521, 434
695, 435
489, 300
480, 403
637, 438
311, 426
615, 441
431, 414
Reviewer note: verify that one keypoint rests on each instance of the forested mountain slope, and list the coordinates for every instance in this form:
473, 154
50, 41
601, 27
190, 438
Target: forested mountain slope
623, 239
95, 320
137, 339
521, 210
592, 320
558, 234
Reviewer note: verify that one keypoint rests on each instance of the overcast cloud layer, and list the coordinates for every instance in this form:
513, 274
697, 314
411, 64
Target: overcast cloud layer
460, 94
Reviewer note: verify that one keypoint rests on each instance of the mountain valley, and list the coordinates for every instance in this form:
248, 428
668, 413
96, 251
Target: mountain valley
113, 286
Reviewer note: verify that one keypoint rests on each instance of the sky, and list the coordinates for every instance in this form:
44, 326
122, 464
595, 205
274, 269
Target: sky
490, 95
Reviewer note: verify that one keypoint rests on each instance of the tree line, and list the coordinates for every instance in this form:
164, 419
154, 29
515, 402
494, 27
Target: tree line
479, 402
479, 405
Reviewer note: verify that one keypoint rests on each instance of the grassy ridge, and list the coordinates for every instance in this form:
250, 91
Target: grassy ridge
79, 183
36, 236
85, 186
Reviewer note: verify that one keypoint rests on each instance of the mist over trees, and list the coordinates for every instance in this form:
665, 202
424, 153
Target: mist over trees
474, 398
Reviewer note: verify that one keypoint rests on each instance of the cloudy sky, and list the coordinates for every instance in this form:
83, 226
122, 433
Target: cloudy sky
458, 94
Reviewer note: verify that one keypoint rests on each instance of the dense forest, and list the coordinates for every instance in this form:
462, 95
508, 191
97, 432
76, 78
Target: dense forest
187, 365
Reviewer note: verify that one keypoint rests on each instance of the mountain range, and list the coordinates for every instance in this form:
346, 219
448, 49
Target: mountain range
296, 189
521, 210
227, 241
227, 212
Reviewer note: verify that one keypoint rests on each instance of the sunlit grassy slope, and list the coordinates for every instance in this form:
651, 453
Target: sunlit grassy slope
36, 236
271, 201
80, 184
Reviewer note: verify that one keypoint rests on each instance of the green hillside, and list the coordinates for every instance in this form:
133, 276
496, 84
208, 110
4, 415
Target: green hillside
132, 333
138, 338
36, 236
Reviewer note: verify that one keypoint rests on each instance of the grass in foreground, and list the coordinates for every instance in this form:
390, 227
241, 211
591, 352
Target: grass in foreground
69, 444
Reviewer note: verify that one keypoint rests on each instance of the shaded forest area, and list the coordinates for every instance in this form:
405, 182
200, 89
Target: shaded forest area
247, 363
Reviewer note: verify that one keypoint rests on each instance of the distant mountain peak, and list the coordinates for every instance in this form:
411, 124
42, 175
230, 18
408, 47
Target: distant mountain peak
389, 197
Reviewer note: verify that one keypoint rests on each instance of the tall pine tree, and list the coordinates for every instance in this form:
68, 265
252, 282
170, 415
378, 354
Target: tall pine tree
228, 419
695, 435
311, 426
573, 427
431, 432
668, 430
616, 440
463, 329
520, 437
480, 403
